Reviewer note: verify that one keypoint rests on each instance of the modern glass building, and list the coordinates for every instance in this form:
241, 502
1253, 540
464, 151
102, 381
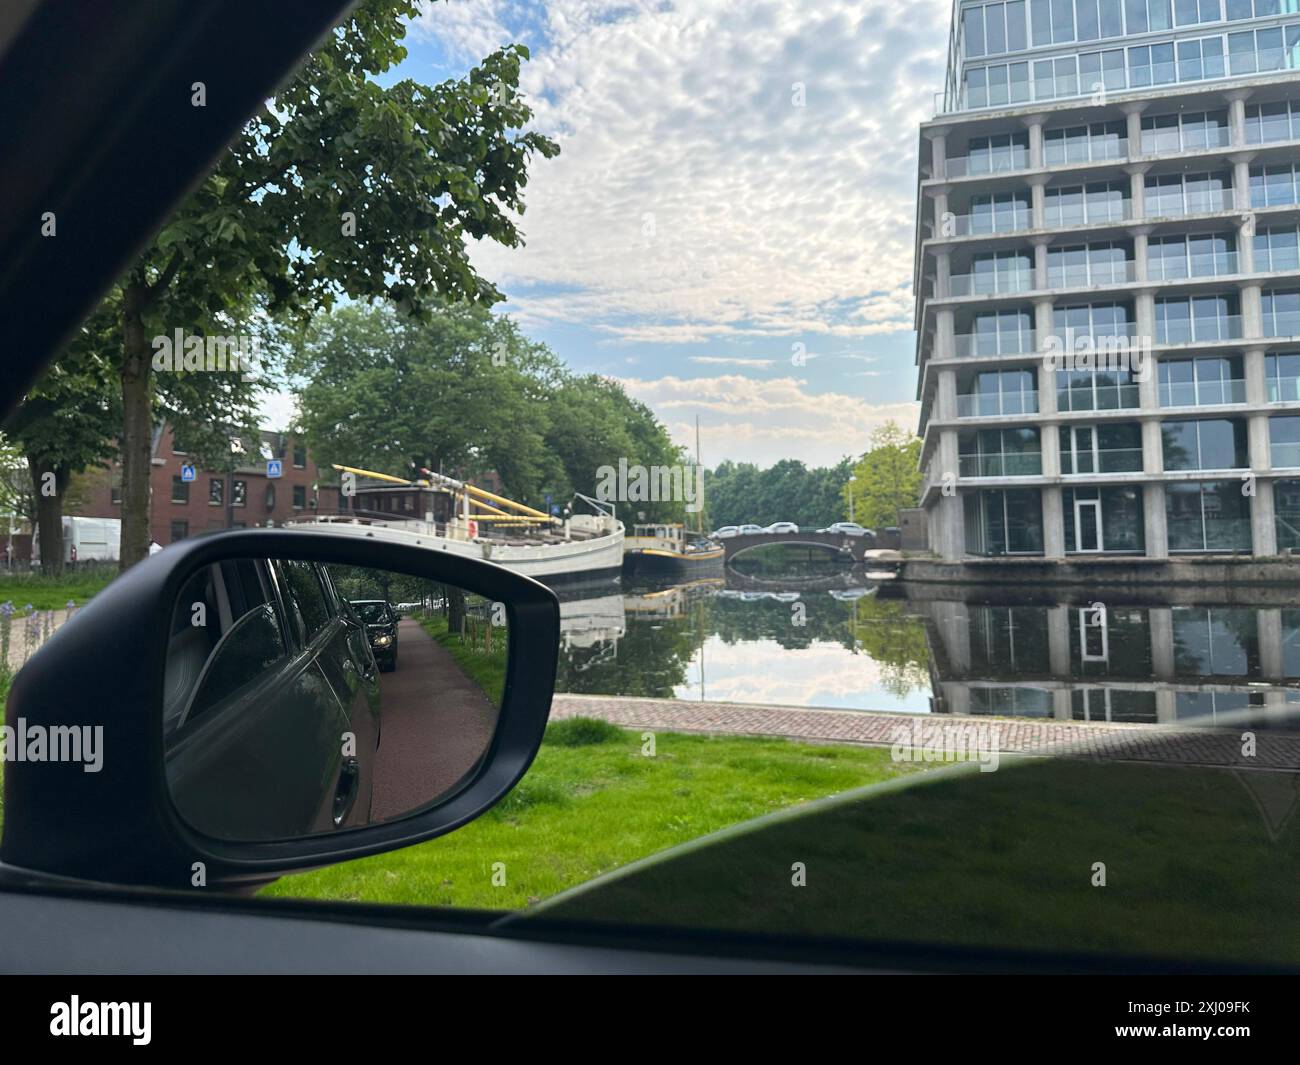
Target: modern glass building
1107, 280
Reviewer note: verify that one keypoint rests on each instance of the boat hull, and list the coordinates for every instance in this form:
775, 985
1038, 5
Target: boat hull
672, 564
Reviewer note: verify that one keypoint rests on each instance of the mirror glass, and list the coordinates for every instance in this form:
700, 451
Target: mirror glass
304, 698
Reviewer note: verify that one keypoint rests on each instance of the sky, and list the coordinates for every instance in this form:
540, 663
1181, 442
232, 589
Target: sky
728, 227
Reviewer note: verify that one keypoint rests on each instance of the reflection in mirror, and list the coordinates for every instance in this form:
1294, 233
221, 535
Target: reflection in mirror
301, 698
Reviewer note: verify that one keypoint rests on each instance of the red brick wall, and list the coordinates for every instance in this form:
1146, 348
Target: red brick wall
200, 515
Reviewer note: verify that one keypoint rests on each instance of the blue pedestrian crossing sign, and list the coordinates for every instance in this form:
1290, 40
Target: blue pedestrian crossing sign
188, 472
273, 467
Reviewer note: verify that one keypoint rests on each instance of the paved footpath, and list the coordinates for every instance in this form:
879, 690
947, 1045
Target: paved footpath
1113, 742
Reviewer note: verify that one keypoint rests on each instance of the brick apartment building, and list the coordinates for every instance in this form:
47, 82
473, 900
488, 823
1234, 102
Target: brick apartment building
220, 499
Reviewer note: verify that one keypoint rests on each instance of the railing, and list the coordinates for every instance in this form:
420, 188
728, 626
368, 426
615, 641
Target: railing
1282, 324
993, 404
1073, 340
1027, 464
1160, 142
1211, 264
1102, 460
1059, 216
1083, 151
1203, 393
1008, 221
1284, 455
1085, 275
987, 163
1101, 397
1283, 390
1215, 534
990, 284
1200, 330
1195, 201
991, 345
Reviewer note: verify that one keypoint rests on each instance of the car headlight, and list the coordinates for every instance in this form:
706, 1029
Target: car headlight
382, 641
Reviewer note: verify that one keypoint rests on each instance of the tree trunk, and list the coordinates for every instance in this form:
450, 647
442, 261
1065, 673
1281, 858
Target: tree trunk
137, 426
49, 517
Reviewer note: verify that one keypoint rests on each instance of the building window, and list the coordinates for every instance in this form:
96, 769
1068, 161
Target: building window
1000, 392
1001, 212
1082, 265
1286, 514
1092, 322
1276, 249
1281, 313
115, 487
1101, 448
179, 530
299, 457
994, 28
1215, 642
993, 272
1187, 131
1197, 319
239, 493
1273, 185
1099, 390
299, 496
1201, 382
1204, 255
1174, 195
1083, 144
1208, 444
999, 453
270, 497
1282, 377
1003, 522
216, 491
180, 489
998, 333
1272, 122
1103, 519
1207, 516
1077, 205
1284, 442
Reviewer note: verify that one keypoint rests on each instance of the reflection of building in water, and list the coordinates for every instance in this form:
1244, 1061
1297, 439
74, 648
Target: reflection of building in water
674, 602
1103, 662
588, 622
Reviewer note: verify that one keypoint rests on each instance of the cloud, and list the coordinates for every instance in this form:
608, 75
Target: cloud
693, 199
764, 421
724, 360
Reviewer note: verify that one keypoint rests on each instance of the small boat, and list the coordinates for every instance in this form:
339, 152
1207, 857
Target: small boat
664, 550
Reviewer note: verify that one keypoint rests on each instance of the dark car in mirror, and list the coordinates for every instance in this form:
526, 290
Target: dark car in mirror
380, 619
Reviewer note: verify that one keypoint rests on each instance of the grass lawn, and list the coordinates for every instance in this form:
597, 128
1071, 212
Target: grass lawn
592, 802
53, 594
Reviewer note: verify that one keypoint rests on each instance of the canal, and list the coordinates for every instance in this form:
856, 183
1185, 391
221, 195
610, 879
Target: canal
817, 635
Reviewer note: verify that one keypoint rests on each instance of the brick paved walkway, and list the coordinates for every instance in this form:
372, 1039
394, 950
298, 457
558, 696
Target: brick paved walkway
1114, 742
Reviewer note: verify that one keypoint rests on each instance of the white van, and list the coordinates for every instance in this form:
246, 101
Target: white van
85, 540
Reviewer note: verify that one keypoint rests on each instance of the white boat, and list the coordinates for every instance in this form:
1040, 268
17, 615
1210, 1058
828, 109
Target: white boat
591, 545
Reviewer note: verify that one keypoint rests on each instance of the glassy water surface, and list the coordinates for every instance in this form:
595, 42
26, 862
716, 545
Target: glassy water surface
826, 636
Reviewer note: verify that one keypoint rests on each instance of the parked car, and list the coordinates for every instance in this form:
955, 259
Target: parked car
380, 619
750, 530
847, 528
241, 703
782, 527
725, 532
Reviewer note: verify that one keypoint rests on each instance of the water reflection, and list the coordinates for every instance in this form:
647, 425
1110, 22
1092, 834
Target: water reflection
827, 637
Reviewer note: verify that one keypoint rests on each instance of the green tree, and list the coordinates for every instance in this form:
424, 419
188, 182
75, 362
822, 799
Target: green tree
65, 423
886, 478
338, 186
461, 391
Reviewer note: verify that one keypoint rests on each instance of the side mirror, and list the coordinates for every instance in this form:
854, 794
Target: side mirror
251, 703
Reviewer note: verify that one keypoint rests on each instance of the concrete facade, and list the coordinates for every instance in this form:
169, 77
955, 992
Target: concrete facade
1107, 295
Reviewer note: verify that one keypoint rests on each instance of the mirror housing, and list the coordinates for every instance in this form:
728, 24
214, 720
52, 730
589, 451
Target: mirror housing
105, 667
